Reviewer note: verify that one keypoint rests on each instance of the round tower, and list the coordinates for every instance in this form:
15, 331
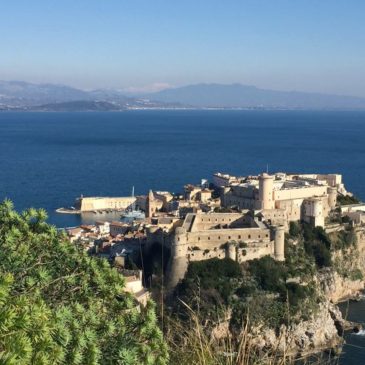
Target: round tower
179, 247
178, 263
279, 241
332, 197
231, 251
266, 188
150, 206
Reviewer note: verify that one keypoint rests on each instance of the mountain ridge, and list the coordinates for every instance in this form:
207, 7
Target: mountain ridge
245, 96
21, 95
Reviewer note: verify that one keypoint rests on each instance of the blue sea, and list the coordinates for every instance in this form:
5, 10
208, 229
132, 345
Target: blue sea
49, 159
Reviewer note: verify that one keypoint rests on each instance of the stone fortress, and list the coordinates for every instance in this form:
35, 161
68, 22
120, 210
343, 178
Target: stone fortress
261, 208
89, 204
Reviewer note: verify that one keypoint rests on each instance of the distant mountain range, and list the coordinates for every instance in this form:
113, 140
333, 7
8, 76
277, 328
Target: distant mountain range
19, 95
243, 96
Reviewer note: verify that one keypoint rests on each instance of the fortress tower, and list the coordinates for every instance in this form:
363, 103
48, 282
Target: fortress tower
231, 251
150, 205
332, 197
178, 262
279, 241
266, 188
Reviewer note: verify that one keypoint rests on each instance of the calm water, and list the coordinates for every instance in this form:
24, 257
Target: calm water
48, 159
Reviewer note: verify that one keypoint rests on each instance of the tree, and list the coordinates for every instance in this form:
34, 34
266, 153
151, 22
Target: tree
60, 306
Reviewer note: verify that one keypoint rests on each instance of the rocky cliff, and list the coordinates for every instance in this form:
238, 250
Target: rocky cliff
345, 279
322, 331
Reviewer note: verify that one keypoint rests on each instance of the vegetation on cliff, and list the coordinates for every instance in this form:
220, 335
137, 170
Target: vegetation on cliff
347, 199
260, 289
60, 306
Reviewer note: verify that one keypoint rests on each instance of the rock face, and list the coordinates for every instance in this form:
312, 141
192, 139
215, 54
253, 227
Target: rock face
319, 332
336, 288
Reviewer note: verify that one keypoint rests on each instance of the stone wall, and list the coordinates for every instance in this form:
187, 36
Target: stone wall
104, 203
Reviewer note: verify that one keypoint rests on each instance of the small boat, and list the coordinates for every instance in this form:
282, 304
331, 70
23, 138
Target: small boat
132, 212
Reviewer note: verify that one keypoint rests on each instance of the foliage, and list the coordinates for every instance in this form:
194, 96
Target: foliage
317, 244
294, 229
242, 244
347, 199
356, 274
208, 285
258, 288
345, 239
60, 306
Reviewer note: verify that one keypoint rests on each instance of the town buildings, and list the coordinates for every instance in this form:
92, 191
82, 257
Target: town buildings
241, 218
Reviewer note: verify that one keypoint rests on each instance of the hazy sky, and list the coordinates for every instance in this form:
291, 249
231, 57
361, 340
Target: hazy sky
312, 45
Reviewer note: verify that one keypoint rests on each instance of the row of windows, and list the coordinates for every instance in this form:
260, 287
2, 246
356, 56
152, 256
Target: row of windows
229, 237
238, 237
229, 220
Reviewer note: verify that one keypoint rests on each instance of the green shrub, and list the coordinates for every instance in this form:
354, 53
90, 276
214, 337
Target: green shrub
294, 229
242, 244
60, 306
269, 274
317, 244
347, 200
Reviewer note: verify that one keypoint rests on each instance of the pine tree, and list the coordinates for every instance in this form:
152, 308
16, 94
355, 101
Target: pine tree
60, 306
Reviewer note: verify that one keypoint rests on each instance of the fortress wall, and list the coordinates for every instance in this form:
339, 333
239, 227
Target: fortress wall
199, 255
216, 237
255, 252
208, 221
230, 200
102, 203
242, 254
300, 193
292, 208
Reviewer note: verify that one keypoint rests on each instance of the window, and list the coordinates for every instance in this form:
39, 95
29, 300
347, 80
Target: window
239, 237
249, 236
229, 237
208, 238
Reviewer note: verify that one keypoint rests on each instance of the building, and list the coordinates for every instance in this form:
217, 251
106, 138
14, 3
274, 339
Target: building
298, 197
197, 193
202, 236
88, 204
221, 180
118, 228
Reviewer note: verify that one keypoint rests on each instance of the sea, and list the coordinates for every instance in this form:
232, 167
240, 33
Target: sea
49, 159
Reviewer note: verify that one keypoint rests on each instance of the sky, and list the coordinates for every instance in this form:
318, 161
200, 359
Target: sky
146, 45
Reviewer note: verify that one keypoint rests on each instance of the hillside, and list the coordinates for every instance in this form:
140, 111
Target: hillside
243, 96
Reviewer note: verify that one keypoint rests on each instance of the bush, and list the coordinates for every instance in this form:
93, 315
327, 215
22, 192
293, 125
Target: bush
60, 306
294, 229
347, 200
242, 244
356, 274
317, 244
269, 274
208, 285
